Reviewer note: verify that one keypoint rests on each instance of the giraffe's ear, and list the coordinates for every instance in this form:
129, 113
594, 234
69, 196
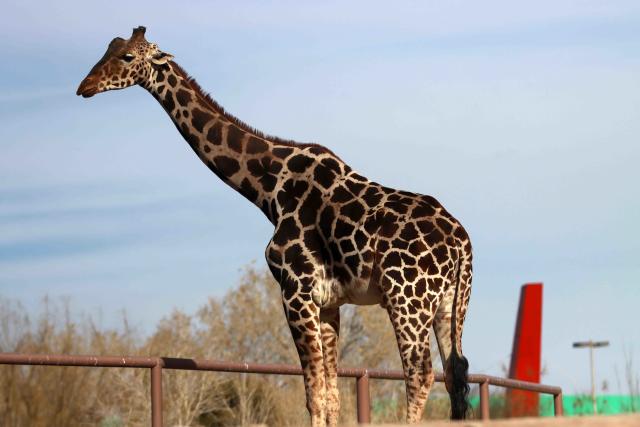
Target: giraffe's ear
161, 58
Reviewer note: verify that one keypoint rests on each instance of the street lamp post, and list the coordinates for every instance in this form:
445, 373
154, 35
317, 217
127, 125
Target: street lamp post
591, 345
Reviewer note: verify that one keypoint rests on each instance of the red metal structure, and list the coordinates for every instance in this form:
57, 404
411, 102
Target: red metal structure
525, 356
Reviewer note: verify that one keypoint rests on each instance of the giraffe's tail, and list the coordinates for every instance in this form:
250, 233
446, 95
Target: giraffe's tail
458, 366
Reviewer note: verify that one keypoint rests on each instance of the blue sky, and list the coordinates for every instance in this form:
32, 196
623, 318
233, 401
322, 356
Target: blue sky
521, 118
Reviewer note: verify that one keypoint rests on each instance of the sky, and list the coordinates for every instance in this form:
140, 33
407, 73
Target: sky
521, 118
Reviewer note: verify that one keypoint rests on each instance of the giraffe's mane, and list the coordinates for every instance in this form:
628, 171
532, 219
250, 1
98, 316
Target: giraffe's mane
205, 97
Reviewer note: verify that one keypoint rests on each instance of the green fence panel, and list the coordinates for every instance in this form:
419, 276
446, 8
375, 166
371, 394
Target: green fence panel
574, 405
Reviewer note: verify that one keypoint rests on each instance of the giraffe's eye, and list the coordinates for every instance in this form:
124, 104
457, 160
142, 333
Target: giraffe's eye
128, 57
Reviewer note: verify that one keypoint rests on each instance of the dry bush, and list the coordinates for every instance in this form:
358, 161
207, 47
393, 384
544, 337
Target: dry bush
247, 324
44, 396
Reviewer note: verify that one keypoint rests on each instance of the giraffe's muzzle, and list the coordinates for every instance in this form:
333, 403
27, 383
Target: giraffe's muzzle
87, 88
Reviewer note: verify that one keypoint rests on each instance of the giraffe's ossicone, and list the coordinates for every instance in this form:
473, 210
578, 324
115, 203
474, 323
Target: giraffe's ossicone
338, 238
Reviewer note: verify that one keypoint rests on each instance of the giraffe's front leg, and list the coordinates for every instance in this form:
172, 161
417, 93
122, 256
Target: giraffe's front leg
330, 330
293, 267
303, 316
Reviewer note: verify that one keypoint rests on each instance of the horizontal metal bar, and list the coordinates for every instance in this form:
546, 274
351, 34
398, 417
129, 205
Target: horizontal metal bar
78, 360
523, 385
256, 368
222, 366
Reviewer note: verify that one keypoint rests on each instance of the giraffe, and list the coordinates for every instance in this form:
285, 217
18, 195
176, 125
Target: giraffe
338, 238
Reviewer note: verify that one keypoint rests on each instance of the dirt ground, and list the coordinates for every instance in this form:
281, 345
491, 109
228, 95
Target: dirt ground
603, 420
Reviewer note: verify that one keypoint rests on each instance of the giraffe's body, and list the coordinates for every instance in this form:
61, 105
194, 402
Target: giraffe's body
339, 238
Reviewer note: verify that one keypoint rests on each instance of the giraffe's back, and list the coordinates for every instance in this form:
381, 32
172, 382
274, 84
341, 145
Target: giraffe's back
378, 239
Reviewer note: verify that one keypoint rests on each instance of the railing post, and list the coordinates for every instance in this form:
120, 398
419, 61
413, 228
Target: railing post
557, 405
363, 399
484, 400
156, 394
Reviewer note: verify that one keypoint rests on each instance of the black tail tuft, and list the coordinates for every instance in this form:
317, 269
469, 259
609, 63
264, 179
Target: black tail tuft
459, 367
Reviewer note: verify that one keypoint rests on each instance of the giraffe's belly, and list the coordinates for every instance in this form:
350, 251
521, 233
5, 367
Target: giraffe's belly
331, 293
364, 294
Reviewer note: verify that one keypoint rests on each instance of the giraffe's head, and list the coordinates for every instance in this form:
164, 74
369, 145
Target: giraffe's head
125, 63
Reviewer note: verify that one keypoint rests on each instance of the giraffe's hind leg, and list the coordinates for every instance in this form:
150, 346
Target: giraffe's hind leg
442, 330
411, 325
453, 363
330, 329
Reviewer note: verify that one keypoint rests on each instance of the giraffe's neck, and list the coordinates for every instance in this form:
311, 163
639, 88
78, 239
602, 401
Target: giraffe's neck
251, 164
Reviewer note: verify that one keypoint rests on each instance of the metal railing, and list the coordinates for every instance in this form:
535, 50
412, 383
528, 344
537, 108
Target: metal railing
362, 376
